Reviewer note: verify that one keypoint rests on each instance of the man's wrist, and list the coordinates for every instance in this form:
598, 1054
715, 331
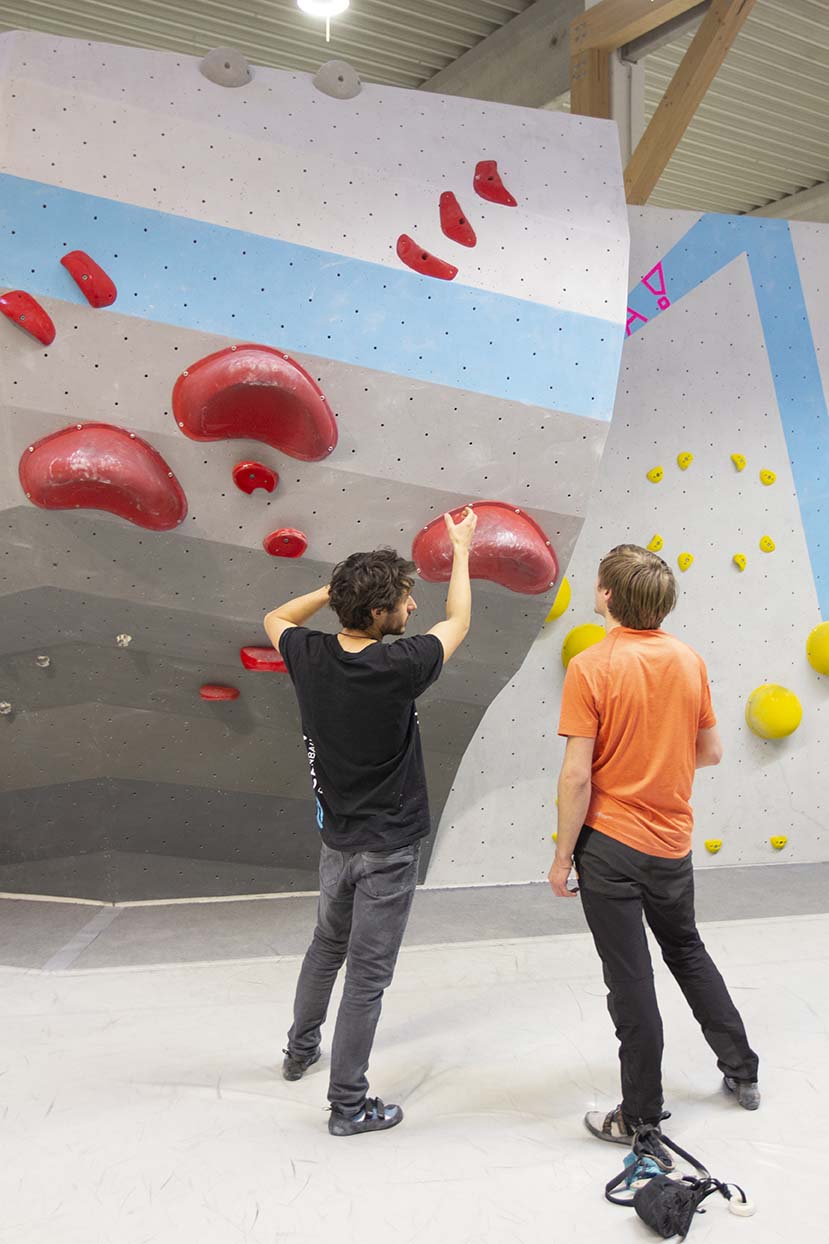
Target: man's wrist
561, 859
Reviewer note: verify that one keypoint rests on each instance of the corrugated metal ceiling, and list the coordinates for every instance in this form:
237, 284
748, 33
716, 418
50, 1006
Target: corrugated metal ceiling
762, 131
396, 42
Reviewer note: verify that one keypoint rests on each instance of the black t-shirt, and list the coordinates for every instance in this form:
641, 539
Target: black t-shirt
362, 736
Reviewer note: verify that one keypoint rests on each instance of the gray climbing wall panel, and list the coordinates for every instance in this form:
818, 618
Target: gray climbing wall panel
269, 213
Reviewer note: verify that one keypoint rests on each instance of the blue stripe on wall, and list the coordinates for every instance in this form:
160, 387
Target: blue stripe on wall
707, 247
184, 272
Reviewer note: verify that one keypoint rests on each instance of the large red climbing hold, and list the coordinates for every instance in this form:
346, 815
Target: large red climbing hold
287, 542
97, 466
28, 314
264, 659
508, 548
421, 261
255, 393
97, 287
215, 691
250, 475
453, 222
489, 186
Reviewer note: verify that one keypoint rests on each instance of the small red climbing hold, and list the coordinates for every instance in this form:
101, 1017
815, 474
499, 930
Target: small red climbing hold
250, 475
508, 548
265, 659
287, 542
215, 691
453, 222
488, 184
98, 466
256, 393
421, 261
28, 314
96, 286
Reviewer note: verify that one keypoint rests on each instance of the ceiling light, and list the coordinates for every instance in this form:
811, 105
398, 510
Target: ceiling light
324, 8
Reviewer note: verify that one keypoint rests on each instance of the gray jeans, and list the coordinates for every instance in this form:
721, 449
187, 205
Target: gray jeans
364, 904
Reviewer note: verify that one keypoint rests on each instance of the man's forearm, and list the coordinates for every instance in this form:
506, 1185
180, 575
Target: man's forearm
573, 802
302, 608
459, 596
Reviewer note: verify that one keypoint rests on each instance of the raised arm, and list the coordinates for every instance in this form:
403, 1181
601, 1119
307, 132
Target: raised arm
294, 613
454, 630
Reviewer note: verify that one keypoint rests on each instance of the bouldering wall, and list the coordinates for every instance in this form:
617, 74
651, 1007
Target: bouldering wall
719, 447
446, 278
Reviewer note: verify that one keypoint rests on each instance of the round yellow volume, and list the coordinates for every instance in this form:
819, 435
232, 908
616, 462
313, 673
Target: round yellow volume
773, 712
561, 602
581, 637
817, 648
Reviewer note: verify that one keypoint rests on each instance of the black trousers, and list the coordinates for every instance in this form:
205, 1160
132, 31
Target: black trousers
618, 885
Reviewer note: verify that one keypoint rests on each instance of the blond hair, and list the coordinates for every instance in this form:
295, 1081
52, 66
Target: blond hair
642, 587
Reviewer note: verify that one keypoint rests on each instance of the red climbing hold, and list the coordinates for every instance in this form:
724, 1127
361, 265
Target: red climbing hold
416, 257
256, 393
508, 548
96, 286
453, 222
267, 659
250, 475
28, 314
489, 186
215, 691
287, 542
97, 466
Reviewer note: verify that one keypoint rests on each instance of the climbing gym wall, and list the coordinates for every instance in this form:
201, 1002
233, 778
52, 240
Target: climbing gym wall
718, 456
249, 329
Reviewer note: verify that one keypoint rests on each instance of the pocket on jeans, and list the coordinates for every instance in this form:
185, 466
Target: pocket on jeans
331, 868
393, 872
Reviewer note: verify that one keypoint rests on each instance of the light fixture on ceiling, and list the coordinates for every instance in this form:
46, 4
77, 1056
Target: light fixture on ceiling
324, 8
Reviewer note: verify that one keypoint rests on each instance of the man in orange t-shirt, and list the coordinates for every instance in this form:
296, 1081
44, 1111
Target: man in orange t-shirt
636, 712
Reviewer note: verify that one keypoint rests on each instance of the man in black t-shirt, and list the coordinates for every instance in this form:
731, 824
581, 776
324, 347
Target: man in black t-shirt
357, 703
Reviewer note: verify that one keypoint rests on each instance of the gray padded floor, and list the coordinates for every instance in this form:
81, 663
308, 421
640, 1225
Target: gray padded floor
60, 936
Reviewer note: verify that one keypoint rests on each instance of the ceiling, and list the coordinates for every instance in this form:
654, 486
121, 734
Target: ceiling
760, 138
395, 42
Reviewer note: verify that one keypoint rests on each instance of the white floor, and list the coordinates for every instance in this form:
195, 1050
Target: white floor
145, 1104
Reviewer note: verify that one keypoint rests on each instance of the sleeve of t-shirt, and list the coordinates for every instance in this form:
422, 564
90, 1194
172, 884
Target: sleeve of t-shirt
707, 716
424, 655
579, 715
292, 644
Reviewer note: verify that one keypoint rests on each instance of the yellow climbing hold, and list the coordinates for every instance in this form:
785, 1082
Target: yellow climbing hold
767, 545
713, 845
778, 841
767, 477
683, 461
579, 638
561, 602
656, 543
554, 836
655, 474
772, 711
817, 648
739, 461
684, 561
739, 560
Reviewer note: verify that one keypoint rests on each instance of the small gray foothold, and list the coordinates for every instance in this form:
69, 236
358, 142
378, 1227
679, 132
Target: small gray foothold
123, 641
44, 662
5, 708
226, 67
337, 78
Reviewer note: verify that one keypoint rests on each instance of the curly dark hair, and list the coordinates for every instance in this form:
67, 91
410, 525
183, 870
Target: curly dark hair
365, 581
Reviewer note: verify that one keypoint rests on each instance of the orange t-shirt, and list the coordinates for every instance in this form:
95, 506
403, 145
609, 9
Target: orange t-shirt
642, 695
